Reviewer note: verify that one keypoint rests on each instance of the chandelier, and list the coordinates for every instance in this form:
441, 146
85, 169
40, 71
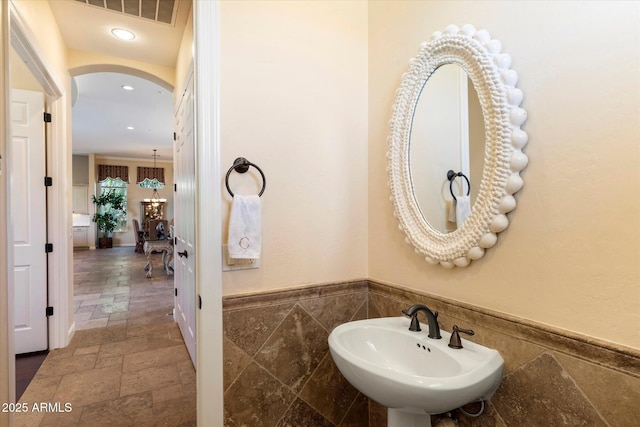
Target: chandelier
153, 183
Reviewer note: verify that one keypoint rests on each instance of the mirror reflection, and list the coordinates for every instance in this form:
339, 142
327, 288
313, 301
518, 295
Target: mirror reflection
447, 134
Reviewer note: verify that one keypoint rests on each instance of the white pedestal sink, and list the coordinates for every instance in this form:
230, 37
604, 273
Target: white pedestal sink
411, 374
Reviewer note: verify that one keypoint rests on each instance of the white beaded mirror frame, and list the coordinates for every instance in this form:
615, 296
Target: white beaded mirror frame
489, 70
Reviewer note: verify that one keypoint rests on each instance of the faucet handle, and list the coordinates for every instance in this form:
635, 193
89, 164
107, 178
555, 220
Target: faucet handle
455, 341
415, 324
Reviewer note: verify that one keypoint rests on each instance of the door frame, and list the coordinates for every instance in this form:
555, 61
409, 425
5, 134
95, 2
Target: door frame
206, 83
16, 33
59, 278
7, 361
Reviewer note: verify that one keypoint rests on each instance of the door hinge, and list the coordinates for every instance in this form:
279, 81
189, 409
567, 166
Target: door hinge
47, 117
199, 302
174, 136
48, 181
175, 240
175, 187
175, 291
48, 247
49, 311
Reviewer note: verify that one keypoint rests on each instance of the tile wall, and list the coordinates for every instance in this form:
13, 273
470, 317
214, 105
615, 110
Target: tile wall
279, 372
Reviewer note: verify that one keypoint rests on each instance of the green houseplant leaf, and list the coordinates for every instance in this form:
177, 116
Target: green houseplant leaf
109, 212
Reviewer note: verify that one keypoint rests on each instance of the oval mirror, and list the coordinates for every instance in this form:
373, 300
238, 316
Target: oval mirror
447, 134
489, 71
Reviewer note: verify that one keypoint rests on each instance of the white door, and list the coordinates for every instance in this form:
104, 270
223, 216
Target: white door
184, 224
28, 215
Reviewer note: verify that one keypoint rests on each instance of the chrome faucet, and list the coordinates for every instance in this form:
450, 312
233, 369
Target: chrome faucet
432, 318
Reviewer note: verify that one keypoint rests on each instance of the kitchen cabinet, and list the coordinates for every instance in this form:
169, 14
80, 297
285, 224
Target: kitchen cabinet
81, 199
80, 237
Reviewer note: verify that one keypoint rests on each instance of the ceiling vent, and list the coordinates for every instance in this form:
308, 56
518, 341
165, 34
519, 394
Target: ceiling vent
163, 11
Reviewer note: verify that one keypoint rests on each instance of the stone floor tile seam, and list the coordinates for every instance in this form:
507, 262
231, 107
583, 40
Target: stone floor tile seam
524, 365
299, 395
375, 304
497, 414
301, 387
184, 379
291, 389
293, 393
313, 317
266, 340
284, 413
241, 372
154, 350
327, 330
577, 386
346, 413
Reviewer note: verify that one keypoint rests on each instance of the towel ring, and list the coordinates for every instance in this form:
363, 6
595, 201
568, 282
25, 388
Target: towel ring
451, 176
241, 165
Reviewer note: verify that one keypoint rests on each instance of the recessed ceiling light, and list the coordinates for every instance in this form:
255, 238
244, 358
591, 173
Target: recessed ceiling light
130, 128
123, 34
127, 87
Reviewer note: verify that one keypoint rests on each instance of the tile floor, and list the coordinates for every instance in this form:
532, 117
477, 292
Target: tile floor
127, 364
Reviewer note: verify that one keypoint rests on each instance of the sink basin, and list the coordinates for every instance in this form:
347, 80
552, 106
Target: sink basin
409, 372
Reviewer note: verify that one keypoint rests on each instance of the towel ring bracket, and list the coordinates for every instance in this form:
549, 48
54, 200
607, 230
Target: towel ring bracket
451, 176
241, 165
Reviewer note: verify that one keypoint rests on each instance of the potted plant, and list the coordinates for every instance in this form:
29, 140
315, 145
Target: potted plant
110, 211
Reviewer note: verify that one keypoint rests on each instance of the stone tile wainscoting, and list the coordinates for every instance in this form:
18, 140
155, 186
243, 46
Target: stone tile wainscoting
279, 372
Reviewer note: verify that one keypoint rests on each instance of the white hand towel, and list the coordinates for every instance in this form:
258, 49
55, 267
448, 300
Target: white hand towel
451, 211
463, 207
245, 228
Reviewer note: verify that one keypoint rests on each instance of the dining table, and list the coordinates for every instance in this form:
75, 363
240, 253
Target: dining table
165, 247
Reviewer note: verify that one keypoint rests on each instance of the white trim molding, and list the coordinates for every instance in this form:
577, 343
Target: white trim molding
489, 70
60, 271
208, 210
7, 349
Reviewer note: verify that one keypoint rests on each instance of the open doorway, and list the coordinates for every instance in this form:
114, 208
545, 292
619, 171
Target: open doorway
122, 141
125, 335
209, 378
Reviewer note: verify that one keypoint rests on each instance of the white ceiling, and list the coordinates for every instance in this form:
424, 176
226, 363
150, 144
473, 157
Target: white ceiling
103, 110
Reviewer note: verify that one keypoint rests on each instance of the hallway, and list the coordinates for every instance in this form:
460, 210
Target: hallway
127, 364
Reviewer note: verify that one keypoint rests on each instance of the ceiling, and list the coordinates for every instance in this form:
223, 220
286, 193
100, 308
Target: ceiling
104, 113
103, 109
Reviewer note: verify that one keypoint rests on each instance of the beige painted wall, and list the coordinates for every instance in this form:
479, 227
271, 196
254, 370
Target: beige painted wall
21, 77
185, 57
37, 14
82, 62
294, 101
570, 257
